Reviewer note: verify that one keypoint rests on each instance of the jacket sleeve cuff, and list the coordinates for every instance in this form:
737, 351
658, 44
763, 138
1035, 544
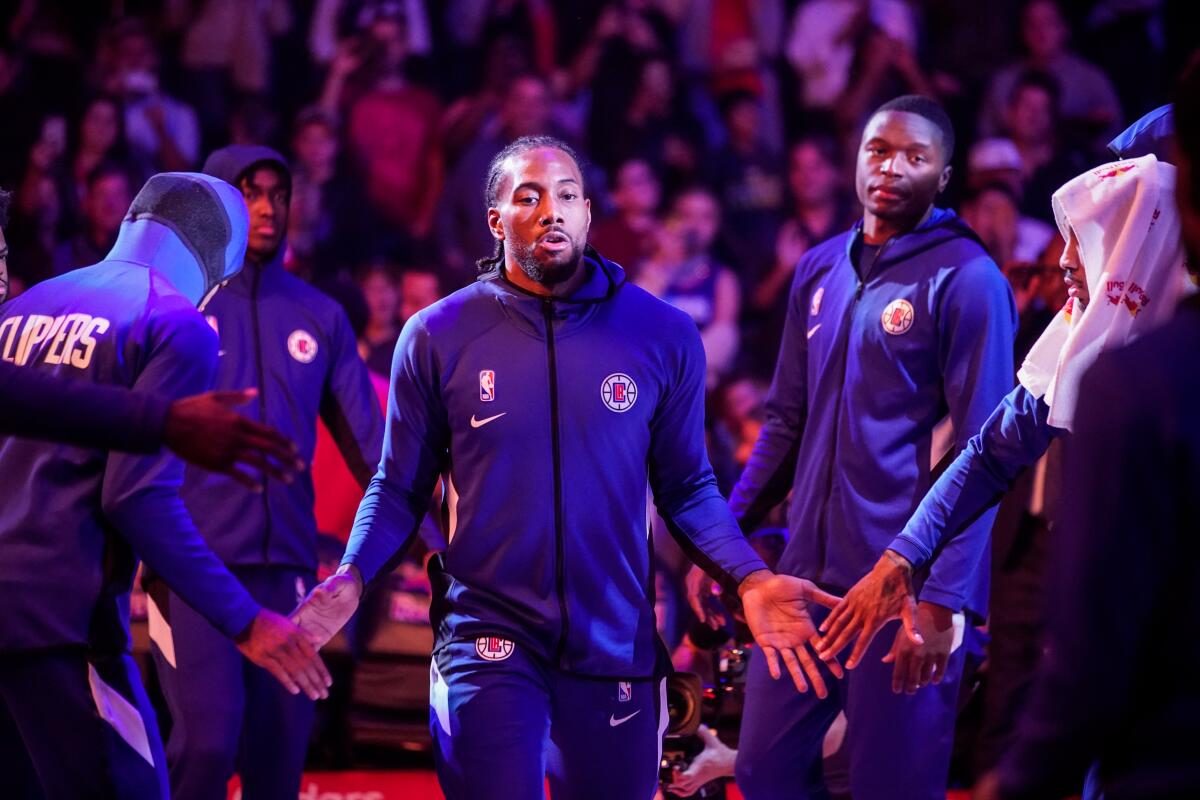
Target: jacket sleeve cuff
738, 574
356, 560
240, 618
913, 552
932, 594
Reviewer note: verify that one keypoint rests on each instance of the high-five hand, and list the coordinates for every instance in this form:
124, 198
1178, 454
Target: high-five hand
329, 606
281, 648
882, 595
776, 609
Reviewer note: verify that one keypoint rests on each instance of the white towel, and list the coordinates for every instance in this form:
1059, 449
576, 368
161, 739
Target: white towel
1123, 216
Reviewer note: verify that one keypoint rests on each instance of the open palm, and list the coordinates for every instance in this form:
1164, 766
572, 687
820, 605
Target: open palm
777, 611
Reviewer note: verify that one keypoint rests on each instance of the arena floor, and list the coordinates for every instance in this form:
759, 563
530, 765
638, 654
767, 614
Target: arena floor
400, 785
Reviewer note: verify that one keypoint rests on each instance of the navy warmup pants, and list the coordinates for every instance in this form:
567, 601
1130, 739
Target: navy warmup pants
502, 720
228, 714
86, 725
899, 744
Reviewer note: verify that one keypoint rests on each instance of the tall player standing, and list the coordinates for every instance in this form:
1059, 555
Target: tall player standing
891, 327
553, 392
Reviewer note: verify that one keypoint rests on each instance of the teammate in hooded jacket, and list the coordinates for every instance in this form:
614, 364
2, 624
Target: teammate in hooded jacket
75, 519
891, 327
202, 429
553, 392
295, 344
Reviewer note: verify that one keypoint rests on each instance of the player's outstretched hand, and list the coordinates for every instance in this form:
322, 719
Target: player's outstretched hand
702, 594
281, 648
918, 665
884, 594
206, 431
329, 606
776, 609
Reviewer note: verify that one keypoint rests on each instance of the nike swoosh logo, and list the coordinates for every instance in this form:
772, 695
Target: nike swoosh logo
614, 722
479, 423
813, 330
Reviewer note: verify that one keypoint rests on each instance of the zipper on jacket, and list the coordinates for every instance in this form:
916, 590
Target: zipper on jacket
837, 419
556, 452
262, 405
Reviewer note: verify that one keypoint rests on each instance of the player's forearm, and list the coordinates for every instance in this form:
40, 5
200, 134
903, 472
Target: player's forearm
1013, 438
39, 406
384, 527
158, 528
710, 536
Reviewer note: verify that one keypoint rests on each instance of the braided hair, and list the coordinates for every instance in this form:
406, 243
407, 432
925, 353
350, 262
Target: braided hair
491, 190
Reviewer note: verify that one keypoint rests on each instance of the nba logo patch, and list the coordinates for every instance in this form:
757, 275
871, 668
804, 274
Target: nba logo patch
897, 317
624, 692
487, 385
818, 296
493, 648
619, 392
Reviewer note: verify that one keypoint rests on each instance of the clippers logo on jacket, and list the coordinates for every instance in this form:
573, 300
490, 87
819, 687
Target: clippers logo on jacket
66, 339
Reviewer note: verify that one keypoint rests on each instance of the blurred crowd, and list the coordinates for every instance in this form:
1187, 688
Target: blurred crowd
719, 133
719, 136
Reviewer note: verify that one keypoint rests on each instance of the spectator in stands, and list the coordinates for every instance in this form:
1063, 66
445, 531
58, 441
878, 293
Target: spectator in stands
1088, 102
609, 65
391, 131
1031, 121
226, 53
846, 52
655, 125
325, 226
745, 176
627, 236
819, 208
110, 190
420, 286
160, 129
992, 212
731, 46
683, 272
379, 284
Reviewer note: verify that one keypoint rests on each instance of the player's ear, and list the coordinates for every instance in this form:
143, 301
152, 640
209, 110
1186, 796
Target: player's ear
495, 224
944, 180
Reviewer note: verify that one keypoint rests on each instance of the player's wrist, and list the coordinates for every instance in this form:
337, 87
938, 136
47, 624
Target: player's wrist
756, 578
352, 571
891, 560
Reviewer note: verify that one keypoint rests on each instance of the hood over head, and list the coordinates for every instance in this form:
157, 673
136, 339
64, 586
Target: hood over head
206, 216
231, 163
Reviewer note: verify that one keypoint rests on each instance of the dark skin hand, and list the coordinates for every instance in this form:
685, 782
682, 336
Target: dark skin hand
205, 430
884, 594
918, 665
281, 648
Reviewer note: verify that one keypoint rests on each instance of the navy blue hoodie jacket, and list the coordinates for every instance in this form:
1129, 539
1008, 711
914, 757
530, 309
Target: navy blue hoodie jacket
74, 518
552, 417
867, 369
295, 344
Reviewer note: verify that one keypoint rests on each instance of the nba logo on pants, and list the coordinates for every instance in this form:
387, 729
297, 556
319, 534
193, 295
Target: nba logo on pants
487, 385
624, 692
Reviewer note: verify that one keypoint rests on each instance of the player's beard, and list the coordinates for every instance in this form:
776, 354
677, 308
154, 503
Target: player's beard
547, 274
